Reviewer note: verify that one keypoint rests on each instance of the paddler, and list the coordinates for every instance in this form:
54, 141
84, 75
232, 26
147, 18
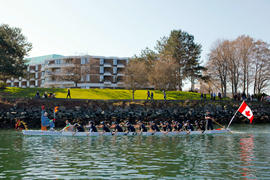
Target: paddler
68, 127
168, 126
117, 127
188, 126
130, 127
154, 127
209, 121
142, 127
91, 126
105, 127
79, 127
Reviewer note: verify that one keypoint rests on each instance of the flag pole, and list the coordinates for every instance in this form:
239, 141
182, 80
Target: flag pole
234, 116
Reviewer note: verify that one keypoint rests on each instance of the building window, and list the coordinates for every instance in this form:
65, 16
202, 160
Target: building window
83, 60
101, 70
57, 61
114, 70
36, 67
88, 77
101, 78
36, 75
101, 61
115, 62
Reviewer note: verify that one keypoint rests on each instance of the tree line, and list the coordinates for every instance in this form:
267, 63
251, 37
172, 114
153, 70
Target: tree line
241, 65
175, 58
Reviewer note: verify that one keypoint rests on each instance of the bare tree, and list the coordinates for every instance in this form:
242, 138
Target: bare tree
218, 64
243, 54
261, 62
135, 76
163, 75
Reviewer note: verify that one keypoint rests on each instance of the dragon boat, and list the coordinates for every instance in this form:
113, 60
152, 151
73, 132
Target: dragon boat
86, 134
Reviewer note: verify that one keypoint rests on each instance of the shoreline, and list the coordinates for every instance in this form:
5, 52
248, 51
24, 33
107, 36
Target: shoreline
29, 110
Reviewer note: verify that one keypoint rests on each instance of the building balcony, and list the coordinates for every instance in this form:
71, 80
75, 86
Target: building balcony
8, 81
23, 79
32, 71
107, 65
49, 73
120, 65
107, 74
48, 82
120, 74
107, 82
58, 65
16, 80
32, 79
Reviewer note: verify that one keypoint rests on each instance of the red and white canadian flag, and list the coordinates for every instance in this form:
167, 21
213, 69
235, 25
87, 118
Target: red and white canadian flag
246, 111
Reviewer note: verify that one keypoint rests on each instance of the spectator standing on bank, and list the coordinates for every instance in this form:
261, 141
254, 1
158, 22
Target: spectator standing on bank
219, 95
214, 96
211, 95
37, 95
45, 95
164, 95
152, 96
68, 94
201, 96
148, 94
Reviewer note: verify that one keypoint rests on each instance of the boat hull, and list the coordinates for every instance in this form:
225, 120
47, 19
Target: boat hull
86, 134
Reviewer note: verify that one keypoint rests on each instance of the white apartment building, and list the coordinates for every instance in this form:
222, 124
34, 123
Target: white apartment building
93, 71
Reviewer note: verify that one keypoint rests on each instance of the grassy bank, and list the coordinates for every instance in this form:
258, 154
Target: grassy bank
106, 94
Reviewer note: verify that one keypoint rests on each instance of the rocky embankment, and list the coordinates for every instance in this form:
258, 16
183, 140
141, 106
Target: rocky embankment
98, 110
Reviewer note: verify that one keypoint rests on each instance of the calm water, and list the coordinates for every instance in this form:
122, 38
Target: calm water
244, 154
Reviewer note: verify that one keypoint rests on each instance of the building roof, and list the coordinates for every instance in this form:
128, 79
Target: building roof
41, 59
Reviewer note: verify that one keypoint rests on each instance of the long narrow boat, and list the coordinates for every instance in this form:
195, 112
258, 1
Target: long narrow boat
61, 133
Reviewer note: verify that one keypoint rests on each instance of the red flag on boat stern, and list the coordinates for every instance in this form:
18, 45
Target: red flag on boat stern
246, 111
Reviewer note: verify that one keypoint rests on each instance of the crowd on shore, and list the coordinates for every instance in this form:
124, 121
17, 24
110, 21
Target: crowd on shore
150, 96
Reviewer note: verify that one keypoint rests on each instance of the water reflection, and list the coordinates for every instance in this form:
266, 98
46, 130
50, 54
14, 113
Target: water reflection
247, 156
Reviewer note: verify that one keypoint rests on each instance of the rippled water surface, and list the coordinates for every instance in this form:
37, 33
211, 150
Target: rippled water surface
243, 154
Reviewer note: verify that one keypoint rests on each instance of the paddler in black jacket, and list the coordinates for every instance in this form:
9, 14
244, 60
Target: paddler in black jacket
130, 127
105, 127
117, 127
91, 126
142, 127
154, 127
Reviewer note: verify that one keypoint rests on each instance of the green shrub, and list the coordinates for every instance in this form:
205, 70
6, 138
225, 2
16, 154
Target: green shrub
3, 85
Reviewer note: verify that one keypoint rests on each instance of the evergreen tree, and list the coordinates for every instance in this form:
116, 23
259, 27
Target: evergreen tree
13, 48
181, 48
